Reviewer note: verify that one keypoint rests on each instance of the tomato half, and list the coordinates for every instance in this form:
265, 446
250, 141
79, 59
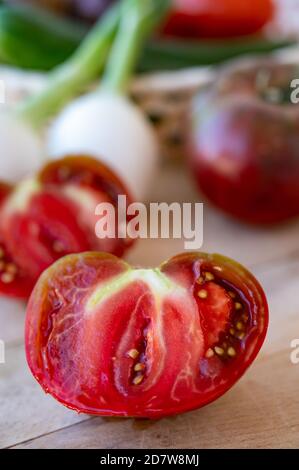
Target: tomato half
221, 18
14, 281
107, 339
53, 215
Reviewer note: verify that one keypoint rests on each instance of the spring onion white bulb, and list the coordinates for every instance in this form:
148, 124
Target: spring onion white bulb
21, 149
110, 127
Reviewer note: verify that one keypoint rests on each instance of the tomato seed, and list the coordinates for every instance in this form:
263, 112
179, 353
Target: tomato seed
238, 306
203, 294
209, 353
209, 277
137, 380
7, 278
139, 367
133, 353
231, 351
219, 351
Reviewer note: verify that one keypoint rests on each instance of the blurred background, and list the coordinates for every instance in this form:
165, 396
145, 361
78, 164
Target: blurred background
185, 45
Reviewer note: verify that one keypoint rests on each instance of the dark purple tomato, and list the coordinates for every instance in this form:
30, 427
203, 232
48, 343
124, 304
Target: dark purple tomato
245, 143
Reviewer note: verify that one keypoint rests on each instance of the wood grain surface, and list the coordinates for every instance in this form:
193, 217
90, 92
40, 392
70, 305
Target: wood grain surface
262, 410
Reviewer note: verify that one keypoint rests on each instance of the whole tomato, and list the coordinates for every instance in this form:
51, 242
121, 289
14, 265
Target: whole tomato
221, 18
245, 143
107, 339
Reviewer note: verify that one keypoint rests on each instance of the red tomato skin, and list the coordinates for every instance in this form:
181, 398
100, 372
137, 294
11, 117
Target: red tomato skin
244, 153
222, 18
66, 337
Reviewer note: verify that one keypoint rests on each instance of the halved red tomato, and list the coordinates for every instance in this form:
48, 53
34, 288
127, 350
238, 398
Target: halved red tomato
107, 339
14, 282
86, 182
54, 214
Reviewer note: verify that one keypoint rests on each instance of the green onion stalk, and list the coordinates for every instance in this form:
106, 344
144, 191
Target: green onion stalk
22, 147
105, 123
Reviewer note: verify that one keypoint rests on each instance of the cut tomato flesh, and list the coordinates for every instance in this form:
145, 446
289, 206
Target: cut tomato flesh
53, 215
215, 308
42, 233
87, 183
14, 282
107, 339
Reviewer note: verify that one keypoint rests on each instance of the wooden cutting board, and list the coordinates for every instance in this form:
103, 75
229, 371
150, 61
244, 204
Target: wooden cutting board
262, 410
